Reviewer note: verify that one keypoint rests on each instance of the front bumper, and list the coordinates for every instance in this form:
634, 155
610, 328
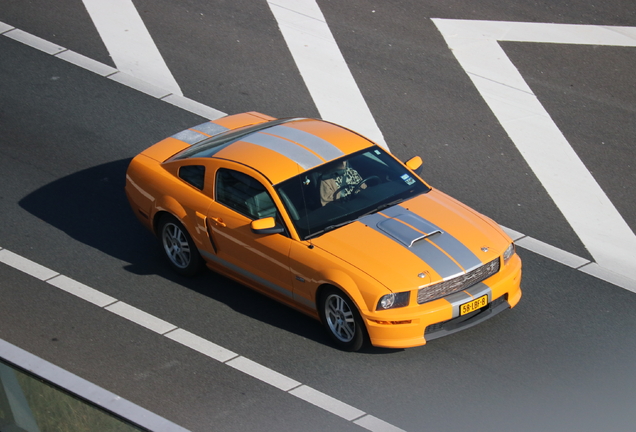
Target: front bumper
416, 324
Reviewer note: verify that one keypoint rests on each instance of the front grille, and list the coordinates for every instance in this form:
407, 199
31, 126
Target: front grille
459, 283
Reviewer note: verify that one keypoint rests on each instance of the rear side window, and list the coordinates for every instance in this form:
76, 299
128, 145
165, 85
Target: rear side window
193, 174
244, 194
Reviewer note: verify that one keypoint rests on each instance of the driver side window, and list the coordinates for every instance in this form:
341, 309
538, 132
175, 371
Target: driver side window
243, 194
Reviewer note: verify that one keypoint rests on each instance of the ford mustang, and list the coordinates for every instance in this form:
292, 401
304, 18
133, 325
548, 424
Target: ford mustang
326, 221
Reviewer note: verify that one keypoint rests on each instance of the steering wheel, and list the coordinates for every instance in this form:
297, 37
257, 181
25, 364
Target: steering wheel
354, 188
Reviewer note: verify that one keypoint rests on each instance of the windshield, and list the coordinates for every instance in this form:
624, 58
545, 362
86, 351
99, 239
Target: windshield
341, 191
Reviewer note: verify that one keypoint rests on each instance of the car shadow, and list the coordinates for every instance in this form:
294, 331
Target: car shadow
91, 207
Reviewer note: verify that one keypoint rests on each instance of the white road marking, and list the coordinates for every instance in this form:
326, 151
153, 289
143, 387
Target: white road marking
86, 63
194, 107
327, 403
82, 291
33, 41
129, 43
201, 345
140, 317
140, 85
25, 265
374, 424
263, 373
593, 269
586, 207
322, 66
549, 251
5, 28
571, 260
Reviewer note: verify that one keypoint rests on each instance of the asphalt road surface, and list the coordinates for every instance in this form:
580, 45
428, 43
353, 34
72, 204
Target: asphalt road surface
563, 360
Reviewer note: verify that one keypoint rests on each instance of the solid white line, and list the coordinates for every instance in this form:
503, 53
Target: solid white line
263, 373
327, 403
586, 207
322, 66
140, 317
129, 42
26, 266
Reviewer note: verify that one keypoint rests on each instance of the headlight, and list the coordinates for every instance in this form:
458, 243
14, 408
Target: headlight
508, 253
394, 300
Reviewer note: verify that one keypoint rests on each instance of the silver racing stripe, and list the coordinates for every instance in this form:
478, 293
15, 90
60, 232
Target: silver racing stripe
427, 252
321, 147
460, 253
199, 132
458, 299
189, 136
402, 233
210, 128
293, 151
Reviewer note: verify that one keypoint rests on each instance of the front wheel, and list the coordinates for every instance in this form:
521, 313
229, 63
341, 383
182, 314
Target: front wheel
178, 246
342, 320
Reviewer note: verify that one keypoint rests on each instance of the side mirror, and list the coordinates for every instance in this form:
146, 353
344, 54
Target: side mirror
415, 164
266, 226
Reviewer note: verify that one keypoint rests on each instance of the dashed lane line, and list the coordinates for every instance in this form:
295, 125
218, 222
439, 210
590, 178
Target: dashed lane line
201, 345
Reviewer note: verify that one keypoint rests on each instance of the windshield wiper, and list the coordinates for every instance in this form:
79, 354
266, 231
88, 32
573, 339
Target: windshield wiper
329, 228
385, 206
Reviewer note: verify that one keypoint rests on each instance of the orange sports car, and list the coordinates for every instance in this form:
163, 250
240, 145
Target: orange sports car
324, 220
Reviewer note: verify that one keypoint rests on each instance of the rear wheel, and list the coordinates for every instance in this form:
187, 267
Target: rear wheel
342, 320
178, 246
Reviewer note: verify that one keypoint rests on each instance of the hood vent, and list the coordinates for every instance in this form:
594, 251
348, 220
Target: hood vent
403, 233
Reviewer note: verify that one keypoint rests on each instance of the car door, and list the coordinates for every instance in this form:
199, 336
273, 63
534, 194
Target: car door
261, 260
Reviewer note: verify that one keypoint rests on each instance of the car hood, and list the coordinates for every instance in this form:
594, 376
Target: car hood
425, 240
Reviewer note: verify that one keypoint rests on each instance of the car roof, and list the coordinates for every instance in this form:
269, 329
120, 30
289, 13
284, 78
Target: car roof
278, 149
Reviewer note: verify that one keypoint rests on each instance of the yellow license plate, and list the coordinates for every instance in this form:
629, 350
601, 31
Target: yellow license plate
473, 305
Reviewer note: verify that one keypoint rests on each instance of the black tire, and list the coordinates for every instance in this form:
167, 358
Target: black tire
342, 320
183, 256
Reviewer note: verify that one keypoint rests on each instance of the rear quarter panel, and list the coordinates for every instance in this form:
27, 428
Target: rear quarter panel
139, 187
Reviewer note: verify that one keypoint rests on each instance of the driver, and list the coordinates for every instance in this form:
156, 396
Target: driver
339, 182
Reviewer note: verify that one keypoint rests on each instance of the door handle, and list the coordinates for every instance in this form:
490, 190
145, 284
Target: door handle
219, 221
